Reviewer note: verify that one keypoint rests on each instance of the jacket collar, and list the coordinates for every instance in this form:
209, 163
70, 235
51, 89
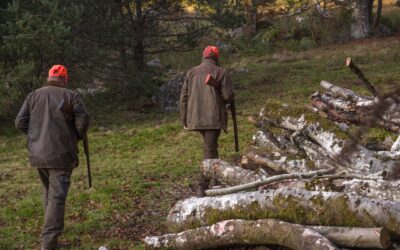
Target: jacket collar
56, 84
209, 60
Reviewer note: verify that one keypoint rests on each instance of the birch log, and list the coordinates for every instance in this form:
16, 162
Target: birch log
355, 236
360, 160
292, 205
243, 232
347, 94
230, 174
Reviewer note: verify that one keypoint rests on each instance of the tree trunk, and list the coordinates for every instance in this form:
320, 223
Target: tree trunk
359, 27
292, 205
230, 174
378, 14
139, 27
243, 232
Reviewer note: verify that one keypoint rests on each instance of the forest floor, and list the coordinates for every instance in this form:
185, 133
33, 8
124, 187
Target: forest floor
143, 162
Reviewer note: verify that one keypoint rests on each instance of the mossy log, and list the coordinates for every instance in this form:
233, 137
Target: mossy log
229, 174
292, 205
243, 232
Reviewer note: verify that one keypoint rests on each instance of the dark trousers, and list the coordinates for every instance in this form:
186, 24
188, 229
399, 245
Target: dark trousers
210, 151
56, 183
210, 143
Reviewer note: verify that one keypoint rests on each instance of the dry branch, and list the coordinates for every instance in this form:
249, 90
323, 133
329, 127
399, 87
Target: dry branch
266, 181
243, 232
371, 87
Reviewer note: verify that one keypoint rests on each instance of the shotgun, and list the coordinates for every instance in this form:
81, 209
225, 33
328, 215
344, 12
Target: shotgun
86, 150
235, 129
66, 109
214, 83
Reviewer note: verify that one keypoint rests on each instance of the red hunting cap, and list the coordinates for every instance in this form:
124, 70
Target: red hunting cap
211, 51
58, 70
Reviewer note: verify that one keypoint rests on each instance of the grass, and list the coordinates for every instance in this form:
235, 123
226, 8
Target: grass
142, 163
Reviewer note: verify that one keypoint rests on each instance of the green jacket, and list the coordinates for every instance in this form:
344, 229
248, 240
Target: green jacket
54, 119
203, 106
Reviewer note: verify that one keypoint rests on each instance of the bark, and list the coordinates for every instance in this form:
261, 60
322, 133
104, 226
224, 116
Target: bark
359, 27
230, 174
243, 232
355, 236
371, 87
266, 181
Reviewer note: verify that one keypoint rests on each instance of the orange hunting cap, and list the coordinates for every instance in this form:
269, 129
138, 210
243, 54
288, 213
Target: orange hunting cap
58, 70
211, 51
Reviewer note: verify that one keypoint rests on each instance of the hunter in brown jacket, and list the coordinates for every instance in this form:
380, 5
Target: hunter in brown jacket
54, 119
203, 107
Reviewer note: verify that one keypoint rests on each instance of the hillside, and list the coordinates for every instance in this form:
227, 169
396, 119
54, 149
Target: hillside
143, 161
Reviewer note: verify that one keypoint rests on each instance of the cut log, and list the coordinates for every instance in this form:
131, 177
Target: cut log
264, 161
266, 181
355, 236
230, 174
292, 205
243, 232
371, 87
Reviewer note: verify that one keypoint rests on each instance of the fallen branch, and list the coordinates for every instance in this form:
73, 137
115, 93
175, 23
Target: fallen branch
371, 87
275, 178
245, 233
292, 205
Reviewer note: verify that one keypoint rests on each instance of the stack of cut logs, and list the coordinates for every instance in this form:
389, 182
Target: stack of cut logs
301, 186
